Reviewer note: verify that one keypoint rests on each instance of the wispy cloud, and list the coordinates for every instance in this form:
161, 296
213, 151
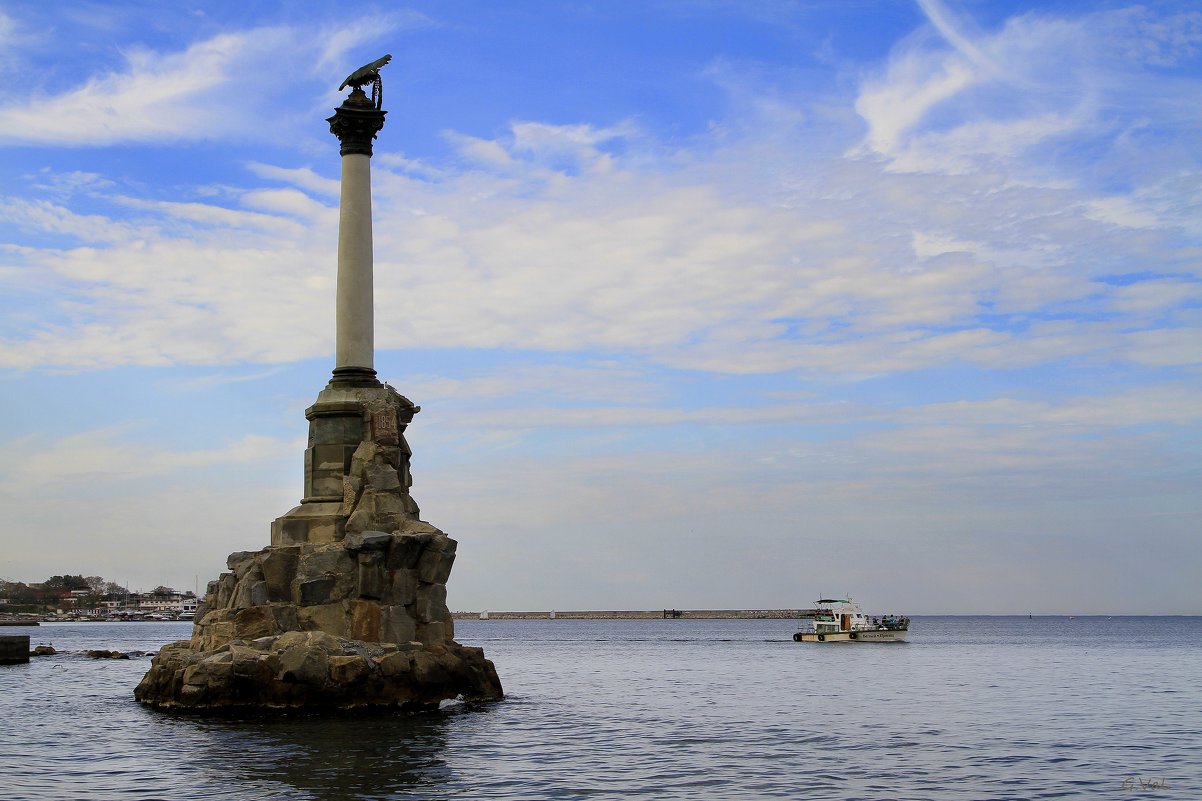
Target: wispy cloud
157, 96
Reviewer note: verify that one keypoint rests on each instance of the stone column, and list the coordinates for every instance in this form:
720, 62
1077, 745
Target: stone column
356, 123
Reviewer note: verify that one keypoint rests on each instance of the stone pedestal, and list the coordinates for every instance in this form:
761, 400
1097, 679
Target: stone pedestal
355, 433
347, 606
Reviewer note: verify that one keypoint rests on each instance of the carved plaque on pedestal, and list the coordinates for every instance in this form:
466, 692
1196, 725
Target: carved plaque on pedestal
384, 428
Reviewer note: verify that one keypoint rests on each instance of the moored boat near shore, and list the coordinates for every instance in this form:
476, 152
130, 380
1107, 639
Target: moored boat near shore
842, 620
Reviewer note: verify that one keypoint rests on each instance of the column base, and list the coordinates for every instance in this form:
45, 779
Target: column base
354, 377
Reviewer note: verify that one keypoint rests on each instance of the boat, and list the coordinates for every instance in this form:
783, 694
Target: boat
186, 615
842, 620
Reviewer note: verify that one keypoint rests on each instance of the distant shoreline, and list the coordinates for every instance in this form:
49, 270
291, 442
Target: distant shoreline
653, 614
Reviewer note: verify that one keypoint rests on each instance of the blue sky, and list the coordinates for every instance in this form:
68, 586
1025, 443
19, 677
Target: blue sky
707, 304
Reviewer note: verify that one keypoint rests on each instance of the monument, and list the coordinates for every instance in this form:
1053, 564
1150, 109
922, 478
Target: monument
346, 608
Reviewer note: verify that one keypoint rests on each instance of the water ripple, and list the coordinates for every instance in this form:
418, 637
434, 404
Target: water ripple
980, 708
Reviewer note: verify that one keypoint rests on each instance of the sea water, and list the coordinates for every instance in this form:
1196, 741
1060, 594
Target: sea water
970, 708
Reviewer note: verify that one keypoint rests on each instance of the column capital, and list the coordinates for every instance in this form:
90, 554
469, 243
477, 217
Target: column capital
356, 123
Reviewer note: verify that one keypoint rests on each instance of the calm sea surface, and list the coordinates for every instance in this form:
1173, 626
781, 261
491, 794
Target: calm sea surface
971, 708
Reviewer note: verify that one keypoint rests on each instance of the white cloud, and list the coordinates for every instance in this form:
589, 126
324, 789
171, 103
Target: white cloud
220, 87
683, 268
584, 237
353, 33
301, 177
991, 96
155, 97
1122, 211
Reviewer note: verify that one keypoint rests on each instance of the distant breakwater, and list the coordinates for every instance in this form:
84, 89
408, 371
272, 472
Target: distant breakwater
650, 614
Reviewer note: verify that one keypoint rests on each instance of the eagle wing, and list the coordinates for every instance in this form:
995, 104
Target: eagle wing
365, 73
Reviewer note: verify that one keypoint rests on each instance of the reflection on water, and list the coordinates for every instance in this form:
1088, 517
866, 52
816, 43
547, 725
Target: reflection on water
324, 758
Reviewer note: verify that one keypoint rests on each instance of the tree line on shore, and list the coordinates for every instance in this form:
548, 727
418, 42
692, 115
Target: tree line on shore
57, 592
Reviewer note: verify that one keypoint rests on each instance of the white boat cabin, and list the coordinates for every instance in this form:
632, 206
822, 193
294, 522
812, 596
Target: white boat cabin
841, 619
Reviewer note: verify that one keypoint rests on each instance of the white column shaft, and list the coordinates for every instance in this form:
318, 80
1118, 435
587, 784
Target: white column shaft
355, 343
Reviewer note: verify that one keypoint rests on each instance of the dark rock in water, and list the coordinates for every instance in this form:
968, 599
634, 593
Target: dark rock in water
312, 670
14, 649
43, 650
101, 654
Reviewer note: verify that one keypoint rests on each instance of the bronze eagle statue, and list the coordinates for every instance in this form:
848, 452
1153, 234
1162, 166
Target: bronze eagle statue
369, 73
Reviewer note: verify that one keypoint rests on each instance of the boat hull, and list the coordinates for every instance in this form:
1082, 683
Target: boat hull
869, 635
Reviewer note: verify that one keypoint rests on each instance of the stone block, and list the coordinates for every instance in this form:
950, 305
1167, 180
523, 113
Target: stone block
323, 484
323, 640
218, 616
218, 635
329, 560
336, 430
257, 621
432, 633
384, 426
346, 670
434, 567
406, 550
365, 621
316, 522
248, 662
250, 591
431, 603
214, 670
240, 562
367, 541
291, 638
316, 591
330, 618
395, 664
352, 487
382, 478
419, 527
279, 569
334, 458
403, 589
372, 578
285, 617
396, 624
366, 452
304, 665
377, 511
394, 455
290, 529
225, 590
432, 670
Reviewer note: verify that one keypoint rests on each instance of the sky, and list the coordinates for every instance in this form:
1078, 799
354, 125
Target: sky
707, 304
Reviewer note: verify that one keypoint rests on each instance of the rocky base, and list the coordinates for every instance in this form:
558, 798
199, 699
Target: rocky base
313, 670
